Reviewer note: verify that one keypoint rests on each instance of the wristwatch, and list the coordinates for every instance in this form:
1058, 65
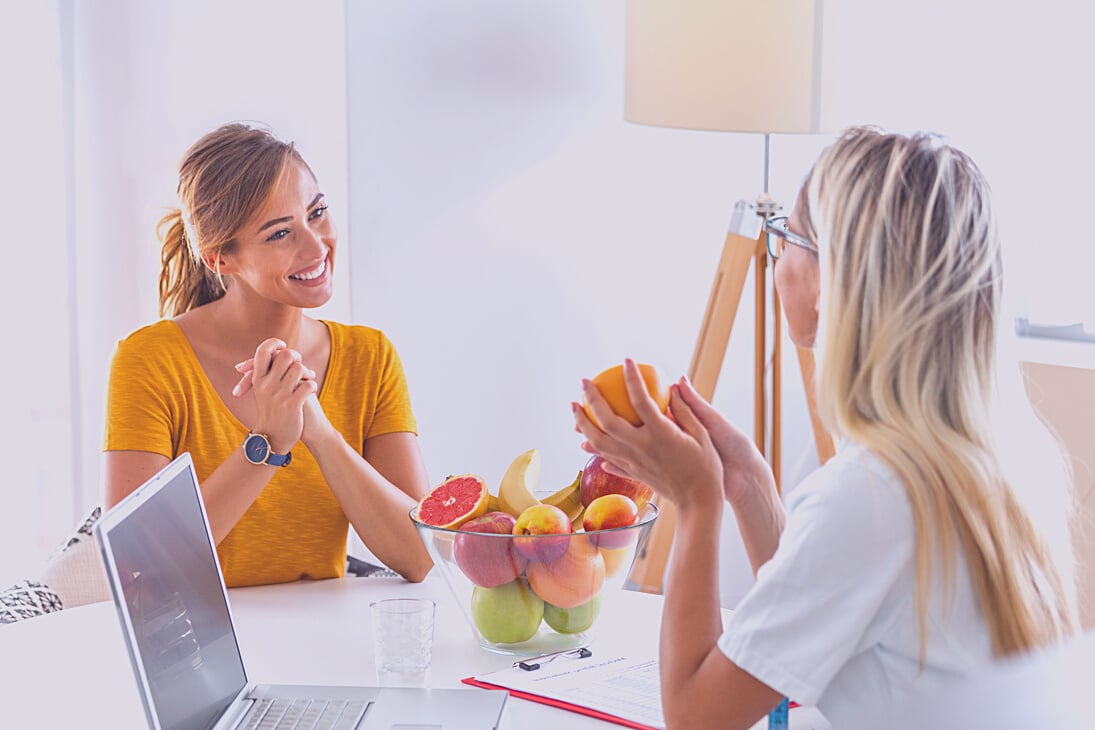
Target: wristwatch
256, 449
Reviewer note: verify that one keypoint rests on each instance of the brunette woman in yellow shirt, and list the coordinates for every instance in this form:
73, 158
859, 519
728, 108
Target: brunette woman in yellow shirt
298, 427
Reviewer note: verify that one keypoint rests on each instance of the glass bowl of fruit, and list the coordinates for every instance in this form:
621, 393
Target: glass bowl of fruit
532, 575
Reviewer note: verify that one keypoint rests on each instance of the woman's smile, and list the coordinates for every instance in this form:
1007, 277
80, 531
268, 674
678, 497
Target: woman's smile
314, 276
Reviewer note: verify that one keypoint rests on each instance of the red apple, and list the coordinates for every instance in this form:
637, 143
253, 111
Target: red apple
607, 512
489, 559
535, 528
596, 482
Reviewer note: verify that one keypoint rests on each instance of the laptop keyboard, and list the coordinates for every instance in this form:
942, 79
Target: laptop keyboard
282, 714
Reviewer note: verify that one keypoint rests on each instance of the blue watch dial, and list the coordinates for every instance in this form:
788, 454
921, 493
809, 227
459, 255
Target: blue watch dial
256, 448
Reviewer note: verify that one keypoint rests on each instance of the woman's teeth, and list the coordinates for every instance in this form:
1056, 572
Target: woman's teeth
313, 274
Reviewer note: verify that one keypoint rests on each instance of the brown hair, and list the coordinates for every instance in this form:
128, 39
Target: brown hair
224, 178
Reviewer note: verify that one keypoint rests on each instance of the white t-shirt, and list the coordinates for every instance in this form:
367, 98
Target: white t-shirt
832, 618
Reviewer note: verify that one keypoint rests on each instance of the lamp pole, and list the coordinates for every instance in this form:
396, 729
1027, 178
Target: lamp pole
770, 445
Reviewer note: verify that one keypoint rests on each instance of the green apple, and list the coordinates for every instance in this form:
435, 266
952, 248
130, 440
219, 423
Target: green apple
572, 620
508, 613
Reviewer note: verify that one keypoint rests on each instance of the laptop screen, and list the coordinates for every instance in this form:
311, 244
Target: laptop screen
174, 603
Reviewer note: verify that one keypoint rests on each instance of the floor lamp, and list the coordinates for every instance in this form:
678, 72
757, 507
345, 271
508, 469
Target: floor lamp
730, 66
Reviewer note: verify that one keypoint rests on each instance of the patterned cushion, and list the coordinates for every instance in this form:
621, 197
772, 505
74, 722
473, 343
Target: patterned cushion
75, 570
27, 599
84, 531
72, 576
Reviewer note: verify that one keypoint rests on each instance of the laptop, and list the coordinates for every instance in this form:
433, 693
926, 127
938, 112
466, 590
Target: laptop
169, 592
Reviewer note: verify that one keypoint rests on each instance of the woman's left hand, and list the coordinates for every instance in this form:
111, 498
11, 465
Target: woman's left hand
673, 455
316, 424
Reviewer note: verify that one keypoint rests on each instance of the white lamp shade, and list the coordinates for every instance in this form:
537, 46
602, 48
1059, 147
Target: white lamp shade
724, 65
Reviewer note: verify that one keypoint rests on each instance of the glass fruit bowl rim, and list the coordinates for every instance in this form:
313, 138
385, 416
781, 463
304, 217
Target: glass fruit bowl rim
646, 515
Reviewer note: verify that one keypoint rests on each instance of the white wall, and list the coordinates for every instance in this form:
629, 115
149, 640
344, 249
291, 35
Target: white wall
34, 303
1010, 83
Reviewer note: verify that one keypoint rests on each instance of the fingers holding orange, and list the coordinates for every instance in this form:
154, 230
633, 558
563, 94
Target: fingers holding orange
685, 417
612, 386
641, 394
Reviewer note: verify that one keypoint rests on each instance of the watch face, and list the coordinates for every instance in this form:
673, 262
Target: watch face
256, 448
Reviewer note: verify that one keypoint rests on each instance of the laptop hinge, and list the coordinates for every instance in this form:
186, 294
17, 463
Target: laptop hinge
236, 711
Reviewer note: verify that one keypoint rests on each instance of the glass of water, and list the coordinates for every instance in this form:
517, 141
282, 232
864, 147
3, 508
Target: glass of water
403, 641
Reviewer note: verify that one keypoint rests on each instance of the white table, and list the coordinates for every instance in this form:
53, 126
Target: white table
71, 669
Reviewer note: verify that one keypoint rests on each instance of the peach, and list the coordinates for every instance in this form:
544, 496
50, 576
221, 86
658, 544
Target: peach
542, 533
608, 512
614, 559
571, 580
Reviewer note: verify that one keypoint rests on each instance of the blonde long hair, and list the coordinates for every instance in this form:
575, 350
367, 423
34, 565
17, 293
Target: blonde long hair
224, 178
911, 285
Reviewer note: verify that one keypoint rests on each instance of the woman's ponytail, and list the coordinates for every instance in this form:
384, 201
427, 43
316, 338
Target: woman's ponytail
185, 281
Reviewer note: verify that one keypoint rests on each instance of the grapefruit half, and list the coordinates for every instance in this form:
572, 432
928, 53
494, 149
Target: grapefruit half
455, 501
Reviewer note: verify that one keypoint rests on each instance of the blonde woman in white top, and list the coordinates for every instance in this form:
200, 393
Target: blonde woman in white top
907, 559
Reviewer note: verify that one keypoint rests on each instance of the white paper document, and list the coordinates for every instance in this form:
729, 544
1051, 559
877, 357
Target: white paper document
626, 688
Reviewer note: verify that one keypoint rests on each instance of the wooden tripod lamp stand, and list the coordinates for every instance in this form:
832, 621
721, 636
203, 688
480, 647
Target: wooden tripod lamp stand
732, 66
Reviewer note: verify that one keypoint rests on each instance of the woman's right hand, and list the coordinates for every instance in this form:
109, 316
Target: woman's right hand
743, 465
673, 454
281, 383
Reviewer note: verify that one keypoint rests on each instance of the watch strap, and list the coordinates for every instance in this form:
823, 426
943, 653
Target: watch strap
279, 459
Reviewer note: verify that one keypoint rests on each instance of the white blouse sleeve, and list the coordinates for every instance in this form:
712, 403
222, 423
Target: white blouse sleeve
822, 597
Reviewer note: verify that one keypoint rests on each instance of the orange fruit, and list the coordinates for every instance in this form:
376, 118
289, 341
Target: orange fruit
455, 501
611, 385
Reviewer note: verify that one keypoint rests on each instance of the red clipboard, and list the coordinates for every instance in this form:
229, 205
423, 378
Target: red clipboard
560, 704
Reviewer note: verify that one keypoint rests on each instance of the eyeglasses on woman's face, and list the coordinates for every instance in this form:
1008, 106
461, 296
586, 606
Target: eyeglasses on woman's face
779, 235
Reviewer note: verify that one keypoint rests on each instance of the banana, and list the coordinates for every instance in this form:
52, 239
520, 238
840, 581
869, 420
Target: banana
515, 494
576, 520
493, 505
568, 499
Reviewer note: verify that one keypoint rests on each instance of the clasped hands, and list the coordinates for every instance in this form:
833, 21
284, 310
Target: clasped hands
285, 393
690, 455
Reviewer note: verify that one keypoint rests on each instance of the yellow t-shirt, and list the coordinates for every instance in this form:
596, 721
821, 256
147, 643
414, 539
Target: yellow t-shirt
160, 400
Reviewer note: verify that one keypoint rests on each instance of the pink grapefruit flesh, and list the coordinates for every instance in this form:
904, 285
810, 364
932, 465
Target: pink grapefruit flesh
453, 502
